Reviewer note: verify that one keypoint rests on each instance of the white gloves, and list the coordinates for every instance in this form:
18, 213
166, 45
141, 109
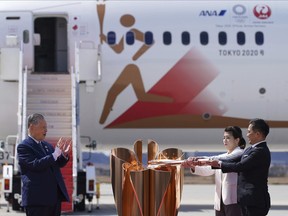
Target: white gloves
57, 153
65, 144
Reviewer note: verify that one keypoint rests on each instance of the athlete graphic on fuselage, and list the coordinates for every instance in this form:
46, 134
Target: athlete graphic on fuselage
131, 73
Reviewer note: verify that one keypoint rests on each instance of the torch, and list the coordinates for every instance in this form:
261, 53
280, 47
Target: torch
101, 13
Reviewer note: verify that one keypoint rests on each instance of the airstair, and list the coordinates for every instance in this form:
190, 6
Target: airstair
54, 96
51, 95
47, 84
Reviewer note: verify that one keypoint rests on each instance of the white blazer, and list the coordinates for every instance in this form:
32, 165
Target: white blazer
224, 182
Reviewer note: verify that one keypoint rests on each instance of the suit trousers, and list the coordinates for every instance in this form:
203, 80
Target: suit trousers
253, 211
53, 210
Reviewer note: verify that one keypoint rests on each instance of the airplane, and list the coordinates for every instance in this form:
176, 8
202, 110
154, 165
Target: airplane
177, 72
109, 73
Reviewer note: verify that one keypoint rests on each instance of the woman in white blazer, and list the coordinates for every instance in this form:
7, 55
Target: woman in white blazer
225, 201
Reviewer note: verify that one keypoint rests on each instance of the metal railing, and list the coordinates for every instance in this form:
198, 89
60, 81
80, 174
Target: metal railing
22, 103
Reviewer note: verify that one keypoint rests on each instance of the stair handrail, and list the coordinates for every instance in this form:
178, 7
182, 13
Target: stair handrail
22, 102
24, 116
75, 114
76, 147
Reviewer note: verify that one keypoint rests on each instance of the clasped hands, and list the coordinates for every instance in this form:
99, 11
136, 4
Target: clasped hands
64, 146
199, 161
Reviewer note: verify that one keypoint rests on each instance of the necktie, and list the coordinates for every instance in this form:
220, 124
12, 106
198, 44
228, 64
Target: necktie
248, 150
42, 147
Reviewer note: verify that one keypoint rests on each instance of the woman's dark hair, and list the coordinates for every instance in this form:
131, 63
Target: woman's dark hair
236, 133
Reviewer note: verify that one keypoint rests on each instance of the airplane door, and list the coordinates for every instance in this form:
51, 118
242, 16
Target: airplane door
51, 54
16, 32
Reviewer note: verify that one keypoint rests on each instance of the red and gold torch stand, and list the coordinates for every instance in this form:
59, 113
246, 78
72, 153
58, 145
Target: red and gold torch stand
154, 190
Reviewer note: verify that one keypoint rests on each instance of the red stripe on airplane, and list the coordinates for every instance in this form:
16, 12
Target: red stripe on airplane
186, 84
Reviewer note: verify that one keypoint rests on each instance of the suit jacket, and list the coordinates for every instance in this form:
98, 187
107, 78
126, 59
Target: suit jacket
253, 168
40, 174
226, 183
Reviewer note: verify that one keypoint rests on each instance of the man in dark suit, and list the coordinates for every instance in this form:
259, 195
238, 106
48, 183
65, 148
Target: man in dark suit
43, 186
252, 167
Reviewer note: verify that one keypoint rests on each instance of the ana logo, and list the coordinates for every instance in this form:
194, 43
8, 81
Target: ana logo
262, 11
212, 13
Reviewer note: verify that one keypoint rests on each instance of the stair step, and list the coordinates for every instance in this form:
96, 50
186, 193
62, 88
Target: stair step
49, 100
40, 107
49, 97
58, 78
58, 126
58, 119
52, 90
52, 80
58, 133
53, 113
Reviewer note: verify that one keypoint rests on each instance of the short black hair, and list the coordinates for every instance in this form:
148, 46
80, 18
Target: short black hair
260, 125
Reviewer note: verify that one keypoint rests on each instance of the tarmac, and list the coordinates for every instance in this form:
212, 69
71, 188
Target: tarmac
197, 200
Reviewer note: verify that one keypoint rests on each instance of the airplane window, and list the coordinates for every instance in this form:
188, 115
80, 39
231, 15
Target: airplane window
222, 38
241, 38
167, 38
204, 38
148, 38
130, 38
259, 38
185, 38
111, 38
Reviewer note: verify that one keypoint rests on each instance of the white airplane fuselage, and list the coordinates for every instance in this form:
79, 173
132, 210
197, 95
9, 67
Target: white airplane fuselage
177, 72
